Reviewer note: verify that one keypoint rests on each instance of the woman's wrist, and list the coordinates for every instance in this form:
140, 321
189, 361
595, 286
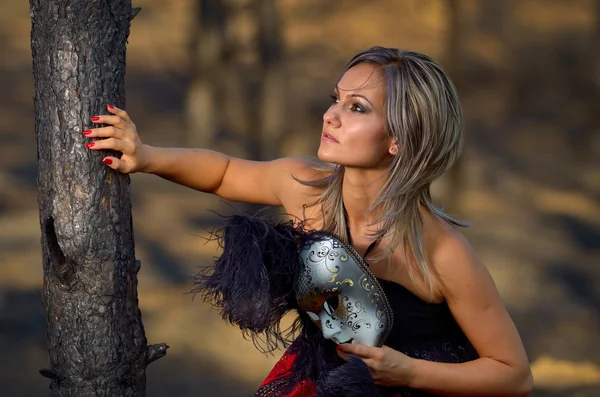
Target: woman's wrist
148, 159
413, 372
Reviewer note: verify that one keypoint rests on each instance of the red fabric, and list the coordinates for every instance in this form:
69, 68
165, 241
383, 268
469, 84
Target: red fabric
283, 368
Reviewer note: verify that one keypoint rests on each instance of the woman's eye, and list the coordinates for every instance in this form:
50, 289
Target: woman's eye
357, 108
334, 98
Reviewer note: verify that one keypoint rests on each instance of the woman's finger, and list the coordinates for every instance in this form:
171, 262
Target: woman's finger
112, 120
115, 164
119, 112
356, 349
340, 353
111, 144
105, 132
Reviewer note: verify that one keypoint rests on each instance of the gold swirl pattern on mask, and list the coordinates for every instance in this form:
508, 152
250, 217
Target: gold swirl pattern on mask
375, 298
347, 282
324, 254
349, 307
380, 314
359, 324
366, 283
342, 257
338, 284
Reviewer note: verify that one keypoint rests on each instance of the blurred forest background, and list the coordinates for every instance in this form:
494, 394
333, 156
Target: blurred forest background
252, 78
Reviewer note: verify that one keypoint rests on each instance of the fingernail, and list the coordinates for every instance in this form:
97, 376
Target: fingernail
111, 107
338, 348
107, 161
87, 132
95, 118
89, 145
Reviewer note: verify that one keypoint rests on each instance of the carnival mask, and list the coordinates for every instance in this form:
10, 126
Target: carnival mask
340, 294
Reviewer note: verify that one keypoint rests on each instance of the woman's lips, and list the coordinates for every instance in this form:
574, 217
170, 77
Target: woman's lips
327, 137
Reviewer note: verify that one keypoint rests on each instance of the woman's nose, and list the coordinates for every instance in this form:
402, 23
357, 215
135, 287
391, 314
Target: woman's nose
331, 117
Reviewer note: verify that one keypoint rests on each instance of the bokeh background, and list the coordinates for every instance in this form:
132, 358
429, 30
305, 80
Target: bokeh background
252, 78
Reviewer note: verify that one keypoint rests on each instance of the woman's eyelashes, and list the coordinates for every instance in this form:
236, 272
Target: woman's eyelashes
354, 106
357, 107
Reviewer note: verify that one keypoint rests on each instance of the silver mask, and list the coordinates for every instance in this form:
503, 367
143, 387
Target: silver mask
340, 294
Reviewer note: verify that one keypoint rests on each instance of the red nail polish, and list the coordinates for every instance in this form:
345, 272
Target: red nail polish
95, 118
111, 107
89, 145
107, 161
87, 132
338, 348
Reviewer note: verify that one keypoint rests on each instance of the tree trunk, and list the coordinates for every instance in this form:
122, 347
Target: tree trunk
273, 83
456, 174
235, 101
207, 42
95, 334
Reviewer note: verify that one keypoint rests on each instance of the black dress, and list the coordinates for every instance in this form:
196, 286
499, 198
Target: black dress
253, 284
424, 330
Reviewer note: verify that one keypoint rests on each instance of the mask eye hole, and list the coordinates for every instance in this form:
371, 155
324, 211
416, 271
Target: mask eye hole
313, 316
331, 304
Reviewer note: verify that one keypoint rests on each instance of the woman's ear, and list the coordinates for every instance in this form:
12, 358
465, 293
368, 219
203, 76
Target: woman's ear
393, 150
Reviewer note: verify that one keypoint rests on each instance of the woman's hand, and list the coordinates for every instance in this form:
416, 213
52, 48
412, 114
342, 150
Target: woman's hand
121, 135
388, 367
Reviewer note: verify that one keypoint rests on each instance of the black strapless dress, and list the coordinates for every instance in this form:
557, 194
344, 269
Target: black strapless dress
425, 331
257, 249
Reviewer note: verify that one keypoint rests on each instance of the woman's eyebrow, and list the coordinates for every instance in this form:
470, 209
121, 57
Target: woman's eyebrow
361, 96
337, 91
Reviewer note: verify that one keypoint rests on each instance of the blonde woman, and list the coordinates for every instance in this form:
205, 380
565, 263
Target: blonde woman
393, 128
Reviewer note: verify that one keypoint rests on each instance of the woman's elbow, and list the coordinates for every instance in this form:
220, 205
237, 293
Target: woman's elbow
525, 383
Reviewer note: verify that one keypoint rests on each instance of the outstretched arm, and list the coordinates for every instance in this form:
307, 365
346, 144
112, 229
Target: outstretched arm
258, 182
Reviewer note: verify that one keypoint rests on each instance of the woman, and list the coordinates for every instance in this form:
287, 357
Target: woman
393, 128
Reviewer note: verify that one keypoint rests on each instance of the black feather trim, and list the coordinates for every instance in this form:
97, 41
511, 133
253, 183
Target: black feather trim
352, 379
253, 282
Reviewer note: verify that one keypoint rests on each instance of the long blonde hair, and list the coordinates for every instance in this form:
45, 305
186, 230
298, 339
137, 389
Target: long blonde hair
424, 116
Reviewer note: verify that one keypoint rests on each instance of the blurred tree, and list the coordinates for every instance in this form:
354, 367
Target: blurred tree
236, 99
94, 328
454, 58
593, 136
207, 41
273, 76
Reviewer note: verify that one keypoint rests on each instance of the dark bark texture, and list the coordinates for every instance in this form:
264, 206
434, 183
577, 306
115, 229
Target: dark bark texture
95, 334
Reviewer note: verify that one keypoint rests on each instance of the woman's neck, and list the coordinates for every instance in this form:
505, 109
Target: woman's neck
359, 189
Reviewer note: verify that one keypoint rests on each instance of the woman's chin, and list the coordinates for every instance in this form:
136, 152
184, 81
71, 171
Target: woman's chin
325, 155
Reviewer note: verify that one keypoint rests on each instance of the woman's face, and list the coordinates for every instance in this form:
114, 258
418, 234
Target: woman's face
353, 127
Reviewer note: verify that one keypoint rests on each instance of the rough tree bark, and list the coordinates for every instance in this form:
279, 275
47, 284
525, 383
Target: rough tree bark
95, 334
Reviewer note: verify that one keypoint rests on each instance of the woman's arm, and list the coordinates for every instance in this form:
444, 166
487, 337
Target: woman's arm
503, 368
231, 178
259, 182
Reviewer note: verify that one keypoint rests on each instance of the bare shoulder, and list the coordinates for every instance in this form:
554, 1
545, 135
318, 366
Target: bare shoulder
476, 305
455, 264
296, 192
299, 168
